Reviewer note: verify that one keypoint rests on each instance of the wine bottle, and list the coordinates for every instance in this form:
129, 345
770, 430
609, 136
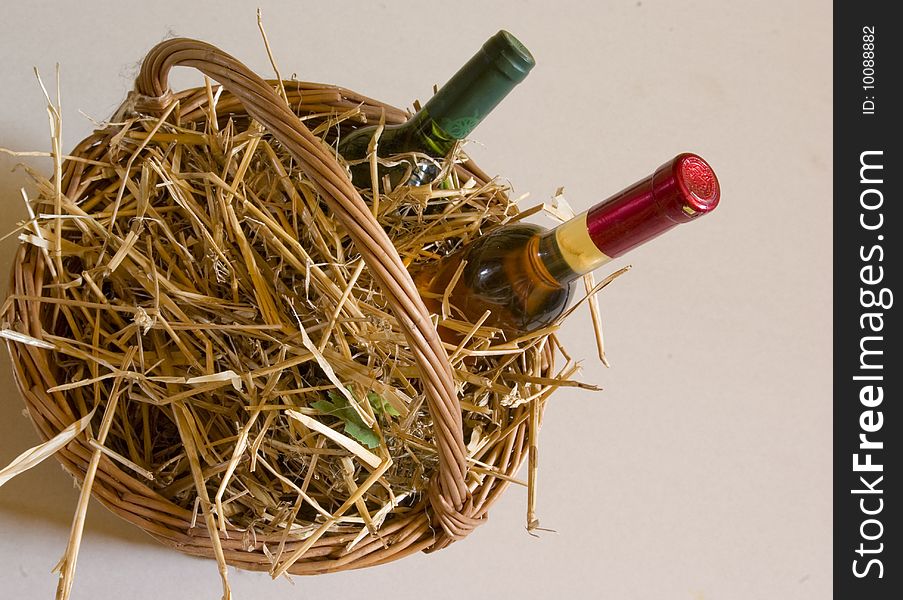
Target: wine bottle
523, 273
450, 115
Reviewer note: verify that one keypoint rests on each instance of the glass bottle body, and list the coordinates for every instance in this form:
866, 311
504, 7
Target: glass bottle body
515, 272
414, 142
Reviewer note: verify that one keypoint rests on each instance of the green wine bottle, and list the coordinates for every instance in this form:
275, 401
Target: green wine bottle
450, 115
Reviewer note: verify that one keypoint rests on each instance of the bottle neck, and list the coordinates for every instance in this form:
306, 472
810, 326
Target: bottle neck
459, 106
571, 250
554, 265
679, 191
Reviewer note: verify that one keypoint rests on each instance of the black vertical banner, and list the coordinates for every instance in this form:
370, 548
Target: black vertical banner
868, 372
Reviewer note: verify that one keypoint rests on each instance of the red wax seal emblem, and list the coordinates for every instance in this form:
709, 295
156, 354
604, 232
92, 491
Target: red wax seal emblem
699, 182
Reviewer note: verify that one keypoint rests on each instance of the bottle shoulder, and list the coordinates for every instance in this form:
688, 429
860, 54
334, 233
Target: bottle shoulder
506, 238
355, 144
501, 274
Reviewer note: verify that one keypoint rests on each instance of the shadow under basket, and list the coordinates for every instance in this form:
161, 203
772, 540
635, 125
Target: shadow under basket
204, 276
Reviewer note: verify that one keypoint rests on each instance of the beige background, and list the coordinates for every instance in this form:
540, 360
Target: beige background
703, 469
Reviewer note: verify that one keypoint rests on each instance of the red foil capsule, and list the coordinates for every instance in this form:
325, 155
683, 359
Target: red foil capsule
679, 191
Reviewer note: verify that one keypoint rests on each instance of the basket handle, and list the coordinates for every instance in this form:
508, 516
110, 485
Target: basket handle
449, 496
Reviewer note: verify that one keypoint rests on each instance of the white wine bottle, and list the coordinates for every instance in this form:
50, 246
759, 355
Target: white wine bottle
523, 273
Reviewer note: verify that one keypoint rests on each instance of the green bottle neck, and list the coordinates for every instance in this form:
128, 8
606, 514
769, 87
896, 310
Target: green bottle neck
478, 87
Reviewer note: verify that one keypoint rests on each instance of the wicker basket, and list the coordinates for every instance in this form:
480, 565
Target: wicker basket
450, 509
